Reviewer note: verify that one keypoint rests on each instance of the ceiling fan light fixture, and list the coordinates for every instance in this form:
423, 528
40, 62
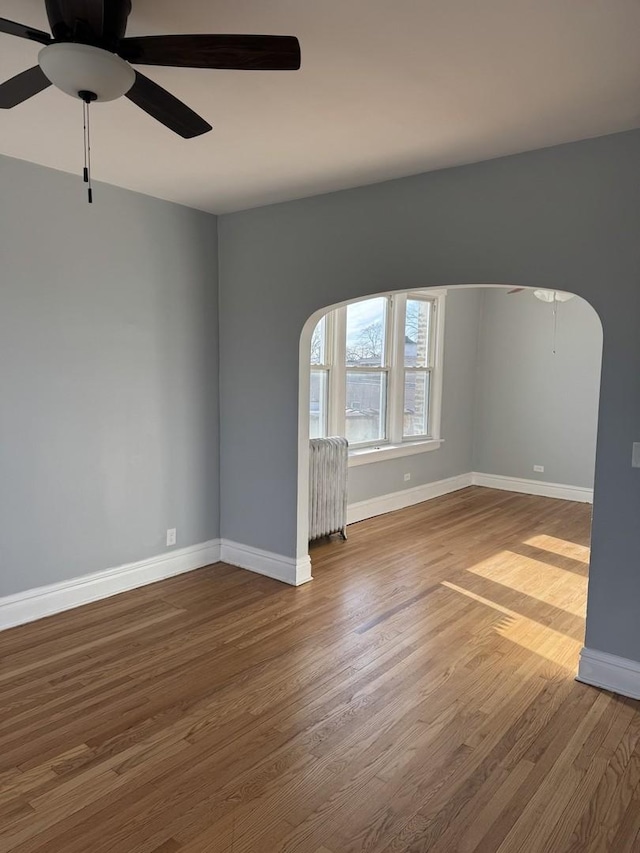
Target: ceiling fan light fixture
75, 68
553, 295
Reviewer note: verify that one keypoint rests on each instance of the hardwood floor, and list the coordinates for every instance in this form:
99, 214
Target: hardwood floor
417, 696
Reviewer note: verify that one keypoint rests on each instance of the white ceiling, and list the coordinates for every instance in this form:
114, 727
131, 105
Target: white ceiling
387, 88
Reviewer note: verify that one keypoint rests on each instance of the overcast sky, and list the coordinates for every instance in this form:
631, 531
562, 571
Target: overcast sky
363, 314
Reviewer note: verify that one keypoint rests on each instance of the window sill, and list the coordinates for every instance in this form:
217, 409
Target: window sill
391, 451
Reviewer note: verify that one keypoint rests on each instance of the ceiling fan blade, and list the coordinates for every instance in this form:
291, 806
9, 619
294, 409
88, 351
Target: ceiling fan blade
164, 107
252, 53
23, 32
22, 87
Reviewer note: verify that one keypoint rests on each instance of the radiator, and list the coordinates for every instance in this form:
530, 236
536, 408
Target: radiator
327, 487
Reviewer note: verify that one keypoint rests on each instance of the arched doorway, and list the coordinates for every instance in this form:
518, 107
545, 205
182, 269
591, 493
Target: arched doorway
552, 421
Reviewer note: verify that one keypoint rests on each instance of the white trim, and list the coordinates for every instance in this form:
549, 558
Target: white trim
436, 379
392, 451
43, 601
286, 569
337, 391
533, 487
395, 393
609, 672
407, 497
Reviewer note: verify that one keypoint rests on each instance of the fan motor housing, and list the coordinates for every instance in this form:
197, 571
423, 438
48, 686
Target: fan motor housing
91, 22
76, 68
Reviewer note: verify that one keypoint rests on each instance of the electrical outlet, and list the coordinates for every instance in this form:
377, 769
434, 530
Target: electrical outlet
407, 477
171, 536
539, 469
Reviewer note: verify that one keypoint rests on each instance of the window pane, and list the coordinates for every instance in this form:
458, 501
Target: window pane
319, 342
318, 404
417, 333
416, 403
366, 332
365, 413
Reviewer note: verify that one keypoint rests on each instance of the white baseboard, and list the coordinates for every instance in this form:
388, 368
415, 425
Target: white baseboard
43, 601
286, 569
533, 487
23, 607
610, 672
407, 497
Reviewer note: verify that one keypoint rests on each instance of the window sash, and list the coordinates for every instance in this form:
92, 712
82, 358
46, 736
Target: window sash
324, 402
385, 356
339, 393
431, 329
428, 373
383, 425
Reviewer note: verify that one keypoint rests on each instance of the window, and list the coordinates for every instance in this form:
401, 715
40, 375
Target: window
376, 375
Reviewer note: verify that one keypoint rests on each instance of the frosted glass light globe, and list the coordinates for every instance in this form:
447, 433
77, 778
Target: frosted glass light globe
76, 68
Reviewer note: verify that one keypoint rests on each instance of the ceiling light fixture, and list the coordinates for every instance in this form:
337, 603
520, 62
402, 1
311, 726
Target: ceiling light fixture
554, 298
76, 68
553, 295
90, 74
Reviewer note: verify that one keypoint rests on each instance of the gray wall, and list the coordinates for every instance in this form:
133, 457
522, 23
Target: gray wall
108, 377
534, 407
566, 217
455, 456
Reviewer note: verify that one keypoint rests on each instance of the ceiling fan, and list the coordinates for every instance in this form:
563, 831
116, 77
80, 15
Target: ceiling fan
555, 297
89, 57
545, 295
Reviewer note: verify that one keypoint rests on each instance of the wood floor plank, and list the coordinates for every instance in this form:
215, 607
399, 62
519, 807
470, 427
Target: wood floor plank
419, 695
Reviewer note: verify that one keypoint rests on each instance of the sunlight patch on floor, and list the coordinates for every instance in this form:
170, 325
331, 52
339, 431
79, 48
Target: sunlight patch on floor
537, 579
552, 645
563, 547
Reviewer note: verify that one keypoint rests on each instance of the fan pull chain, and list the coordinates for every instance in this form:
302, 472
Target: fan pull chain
85, 171
88, 154
555, 323
87, 97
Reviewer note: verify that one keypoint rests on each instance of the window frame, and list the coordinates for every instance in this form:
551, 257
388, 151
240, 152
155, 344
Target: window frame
396, 443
